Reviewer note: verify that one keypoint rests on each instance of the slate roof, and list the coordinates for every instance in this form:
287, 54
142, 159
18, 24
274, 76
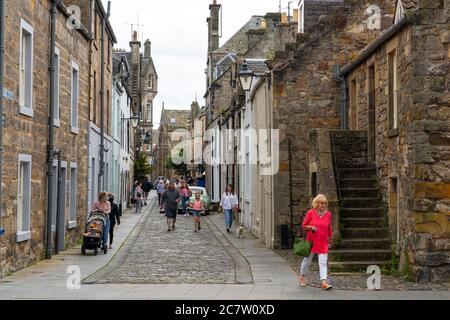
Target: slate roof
238, 43
258, 66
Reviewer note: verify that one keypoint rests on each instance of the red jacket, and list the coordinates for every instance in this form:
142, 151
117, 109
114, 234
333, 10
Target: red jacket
320, 238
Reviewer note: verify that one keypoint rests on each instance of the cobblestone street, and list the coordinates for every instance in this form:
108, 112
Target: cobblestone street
180, 256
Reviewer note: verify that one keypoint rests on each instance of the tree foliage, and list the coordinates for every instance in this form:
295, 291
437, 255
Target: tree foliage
181, 168
141, 168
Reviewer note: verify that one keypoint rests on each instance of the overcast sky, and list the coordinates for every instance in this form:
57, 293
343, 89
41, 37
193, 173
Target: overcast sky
179, 36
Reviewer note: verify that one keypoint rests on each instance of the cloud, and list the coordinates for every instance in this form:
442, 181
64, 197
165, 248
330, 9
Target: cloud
179, 36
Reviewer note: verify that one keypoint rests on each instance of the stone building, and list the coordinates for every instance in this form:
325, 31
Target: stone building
380, 72
173, 129
100, 99
123, 132
27, 117
399, 96
143, 85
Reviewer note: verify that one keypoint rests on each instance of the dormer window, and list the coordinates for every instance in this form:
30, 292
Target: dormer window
172, 121
301, 16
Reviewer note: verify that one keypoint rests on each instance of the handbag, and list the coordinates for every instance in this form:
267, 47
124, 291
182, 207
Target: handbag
302, 247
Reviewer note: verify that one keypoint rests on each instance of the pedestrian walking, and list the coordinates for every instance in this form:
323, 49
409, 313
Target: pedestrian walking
146, 187
138, 194
114, 217
229, 203
197, 208
133, 190
317, 225
104, 206
160, 189
170, 199
185, 194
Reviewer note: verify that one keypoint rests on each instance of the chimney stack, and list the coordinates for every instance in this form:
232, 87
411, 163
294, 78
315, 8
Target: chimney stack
147, 49
213, 26
284, 19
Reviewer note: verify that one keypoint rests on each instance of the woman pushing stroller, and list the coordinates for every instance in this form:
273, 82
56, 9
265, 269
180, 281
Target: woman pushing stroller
104, 206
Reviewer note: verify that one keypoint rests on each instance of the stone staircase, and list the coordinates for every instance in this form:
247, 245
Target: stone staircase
363, 222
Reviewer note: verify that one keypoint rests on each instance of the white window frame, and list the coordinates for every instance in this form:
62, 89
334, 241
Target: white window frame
73, 192
26, 107
301, 16
24, 233
56, 119
74, 128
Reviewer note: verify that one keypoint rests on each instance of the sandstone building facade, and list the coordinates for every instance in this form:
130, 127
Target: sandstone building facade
27, 114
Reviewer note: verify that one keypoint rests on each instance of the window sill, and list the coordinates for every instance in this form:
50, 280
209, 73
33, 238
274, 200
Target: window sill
392, 133
57, 123
23, 236
72, 225
75, 130
26, 111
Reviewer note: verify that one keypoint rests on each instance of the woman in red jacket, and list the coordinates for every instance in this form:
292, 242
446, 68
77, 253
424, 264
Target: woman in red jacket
317, 224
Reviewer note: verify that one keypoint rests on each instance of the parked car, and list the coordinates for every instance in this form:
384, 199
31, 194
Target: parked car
204, 196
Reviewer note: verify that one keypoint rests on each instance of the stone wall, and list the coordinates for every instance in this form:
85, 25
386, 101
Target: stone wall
428, 238
417, 154
306, 96
29, 135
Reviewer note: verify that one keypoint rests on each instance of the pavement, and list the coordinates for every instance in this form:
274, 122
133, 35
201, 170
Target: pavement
148, 262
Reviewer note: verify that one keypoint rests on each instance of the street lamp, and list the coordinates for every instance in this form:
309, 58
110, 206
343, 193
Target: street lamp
134, 121
246, 77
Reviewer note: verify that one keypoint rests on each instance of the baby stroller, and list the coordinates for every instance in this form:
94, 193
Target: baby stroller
93, 232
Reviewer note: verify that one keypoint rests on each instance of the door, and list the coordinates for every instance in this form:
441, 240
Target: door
62, 208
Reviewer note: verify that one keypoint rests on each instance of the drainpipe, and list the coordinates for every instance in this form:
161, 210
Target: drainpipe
337, 76
2, 70
101, 174
51, 132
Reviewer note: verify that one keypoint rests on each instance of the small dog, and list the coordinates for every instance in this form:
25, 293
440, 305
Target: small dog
240, 232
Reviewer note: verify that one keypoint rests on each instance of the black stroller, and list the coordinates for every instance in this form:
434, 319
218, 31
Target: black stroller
93, 232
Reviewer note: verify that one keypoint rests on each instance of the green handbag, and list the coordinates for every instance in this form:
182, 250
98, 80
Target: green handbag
302, 247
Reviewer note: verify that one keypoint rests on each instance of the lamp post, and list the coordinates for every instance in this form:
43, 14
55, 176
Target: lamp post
246, 77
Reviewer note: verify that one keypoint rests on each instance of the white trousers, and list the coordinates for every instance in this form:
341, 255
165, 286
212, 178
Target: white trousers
306, 263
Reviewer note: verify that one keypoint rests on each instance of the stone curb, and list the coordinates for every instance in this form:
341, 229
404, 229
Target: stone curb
243, 273
121, 254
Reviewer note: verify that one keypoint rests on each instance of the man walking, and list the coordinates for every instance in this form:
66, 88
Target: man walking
170, 199
146, 187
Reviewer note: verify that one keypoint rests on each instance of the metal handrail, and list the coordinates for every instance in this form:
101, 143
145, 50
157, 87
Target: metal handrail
335, 167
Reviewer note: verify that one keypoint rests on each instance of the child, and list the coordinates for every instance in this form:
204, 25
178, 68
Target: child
197, 206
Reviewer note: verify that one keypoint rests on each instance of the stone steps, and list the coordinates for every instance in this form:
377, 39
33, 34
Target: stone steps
361, 202
365, 243
366, 173
356, 183
364, 234
363, 222
356, 266
359, 193
359, 255
367, 233
362, 212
